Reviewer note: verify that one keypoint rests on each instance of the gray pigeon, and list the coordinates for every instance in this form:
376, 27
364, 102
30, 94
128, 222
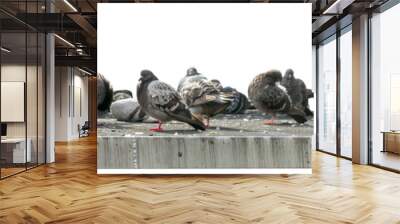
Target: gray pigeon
297, 91
163, 102
269, 97
127, 110
239, 102
203, 98
104, 94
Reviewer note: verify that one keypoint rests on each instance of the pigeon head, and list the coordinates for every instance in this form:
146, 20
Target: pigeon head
191, 71
147, 75
289, 74
273, 76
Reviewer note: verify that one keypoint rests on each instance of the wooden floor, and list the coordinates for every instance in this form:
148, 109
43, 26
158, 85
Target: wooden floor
386, 159
5, 172
69, 191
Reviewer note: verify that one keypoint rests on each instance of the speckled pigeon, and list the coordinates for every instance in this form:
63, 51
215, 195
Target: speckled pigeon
163, 102
202, 97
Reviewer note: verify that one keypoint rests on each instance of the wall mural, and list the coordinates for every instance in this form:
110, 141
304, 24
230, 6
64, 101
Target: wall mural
204, 88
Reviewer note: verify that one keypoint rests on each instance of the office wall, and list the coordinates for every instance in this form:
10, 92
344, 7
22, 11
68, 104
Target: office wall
71, 102
61, 103
81, 108
16, 73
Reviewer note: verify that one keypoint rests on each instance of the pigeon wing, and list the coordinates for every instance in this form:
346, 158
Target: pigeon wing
166, 99
202, 92
275, 98
299, 93
163, 96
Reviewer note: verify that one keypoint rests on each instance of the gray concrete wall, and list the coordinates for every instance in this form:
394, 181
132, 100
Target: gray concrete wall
71, 102
203, 152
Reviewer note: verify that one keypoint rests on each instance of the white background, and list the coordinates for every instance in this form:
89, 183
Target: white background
230, 42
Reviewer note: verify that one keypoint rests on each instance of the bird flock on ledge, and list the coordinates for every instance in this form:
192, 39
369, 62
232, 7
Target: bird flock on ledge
197, 99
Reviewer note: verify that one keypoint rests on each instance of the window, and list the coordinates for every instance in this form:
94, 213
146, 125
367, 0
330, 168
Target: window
327, 96
385, 89
346, 93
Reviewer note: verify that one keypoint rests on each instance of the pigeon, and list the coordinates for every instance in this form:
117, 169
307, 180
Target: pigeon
104, 94
297, 91
191, 76
163, 102
270, 97
239, 104
127, 110
202, 97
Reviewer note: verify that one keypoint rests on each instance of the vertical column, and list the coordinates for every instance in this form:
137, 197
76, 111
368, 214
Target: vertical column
50, 92
360, 90
338, 91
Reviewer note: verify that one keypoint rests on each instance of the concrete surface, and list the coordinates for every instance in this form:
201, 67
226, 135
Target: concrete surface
248, 124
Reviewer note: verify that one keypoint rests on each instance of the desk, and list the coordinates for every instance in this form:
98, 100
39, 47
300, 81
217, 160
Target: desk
13, 150
391, 141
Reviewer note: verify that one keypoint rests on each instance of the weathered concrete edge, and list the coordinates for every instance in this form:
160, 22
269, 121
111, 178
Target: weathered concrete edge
247, 171
217, 136
122, 159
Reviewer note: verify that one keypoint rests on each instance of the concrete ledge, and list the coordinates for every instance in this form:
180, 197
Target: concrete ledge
205, 171
194, 152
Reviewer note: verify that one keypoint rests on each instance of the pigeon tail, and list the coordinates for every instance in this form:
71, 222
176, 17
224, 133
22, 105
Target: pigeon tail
196, 123
226, 97
308, 112
186, 116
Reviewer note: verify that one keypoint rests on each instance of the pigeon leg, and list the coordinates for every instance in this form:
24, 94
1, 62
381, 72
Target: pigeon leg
157, 129
207, 122
270, 121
